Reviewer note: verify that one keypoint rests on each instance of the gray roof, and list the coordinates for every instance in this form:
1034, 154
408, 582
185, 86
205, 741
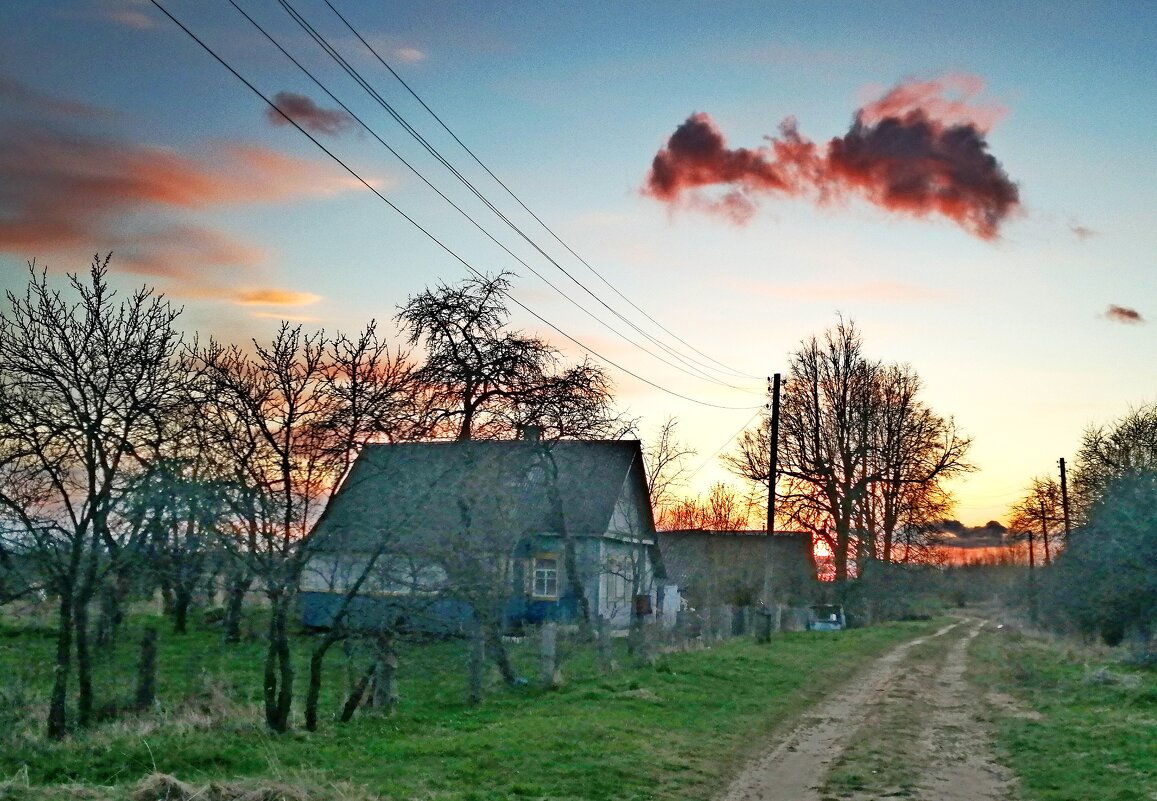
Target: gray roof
427, 488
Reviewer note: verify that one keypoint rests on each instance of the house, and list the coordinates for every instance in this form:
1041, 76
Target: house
530, 529
739, 568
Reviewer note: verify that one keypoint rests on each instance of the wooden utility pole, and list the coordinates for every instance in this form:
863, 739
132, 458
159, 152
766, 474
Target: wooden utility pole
774, 446
1065, 501
1044, 531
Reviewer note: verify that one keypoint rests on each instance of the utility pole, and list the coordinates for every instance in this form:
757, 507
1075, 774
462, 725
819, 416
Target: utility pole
769, 609
1044, 531
774, 445
1065, 501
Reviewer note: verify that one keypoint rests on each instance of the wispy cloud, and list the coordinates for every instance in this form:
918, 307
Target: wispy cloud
409, 55
1081, 232
840, 291
270, 296
919, 149
129, 13
64, 190
1123, 314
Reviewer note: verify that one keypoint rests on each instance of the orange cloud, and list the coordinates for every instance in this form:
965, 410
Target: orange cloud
65, 191
270, 296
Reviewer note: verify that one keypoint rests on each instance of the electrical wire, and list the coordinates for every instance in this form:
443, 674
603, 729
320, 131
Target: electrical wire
466, 215
694, 363
418, 225
726, 442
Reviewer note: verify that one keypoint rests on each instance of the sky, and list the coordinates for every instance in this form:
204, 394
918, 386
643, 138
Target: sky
970, 183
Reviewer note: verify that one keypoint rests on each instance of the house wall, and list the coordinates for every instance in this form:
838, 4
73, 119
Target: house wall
628, 518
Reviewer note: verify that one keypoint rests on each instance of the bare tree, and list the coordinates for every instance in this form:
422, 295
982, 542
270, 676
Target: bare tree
825, 438
486, 382
914, 453
1038, 512
290, 417
861, 459
85, 386
666, 458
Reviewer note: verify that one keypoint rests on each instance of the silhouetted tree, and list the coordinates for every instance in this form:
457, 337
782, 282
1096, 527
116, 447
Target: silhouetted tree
484, 381
1039, 512
861, 458
85, 387
289, 419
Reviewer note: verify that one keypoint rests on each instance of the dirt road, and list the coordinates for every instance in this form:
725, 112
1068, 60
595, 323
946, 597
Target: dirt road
907, 727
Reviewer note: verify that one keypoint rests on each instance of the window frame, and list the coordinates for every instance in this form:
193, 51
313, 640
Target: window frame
549, 576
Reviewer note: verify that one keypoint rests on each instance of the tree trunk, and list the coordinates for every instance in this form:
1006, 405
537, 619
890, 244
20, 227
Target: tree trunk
84, 692
354, 701
574, 582
605, 653
477, 669
182, 600
234, 606
316, 662
147, 670
110, 615
386, 675
501, 656
548, 656
167, 599
278, 668
57, 709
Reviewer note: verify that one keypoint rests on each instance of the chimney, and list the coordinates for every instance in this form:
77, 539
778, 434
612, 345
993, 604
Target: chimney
531, 433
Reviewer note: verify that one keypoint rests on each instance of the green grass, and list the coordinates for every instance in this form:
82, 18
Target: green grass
677, 730
1088, 726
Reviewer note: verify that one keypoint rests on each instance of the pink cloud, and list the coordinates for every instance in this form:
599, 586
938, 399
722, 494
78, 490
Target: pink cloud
1123, 314
919, 150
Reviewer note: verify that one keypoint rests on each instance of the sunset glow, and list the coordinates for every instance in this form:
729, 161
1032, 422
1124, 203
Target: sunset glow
972, 185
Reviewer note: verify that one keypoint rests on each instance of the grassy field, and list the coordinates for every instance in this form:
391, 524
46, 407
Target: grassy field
676, 730
1081, 724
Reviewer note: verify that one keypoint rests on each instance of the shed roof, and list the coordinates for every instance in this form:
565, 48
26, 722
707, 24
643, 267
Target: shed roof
414, 489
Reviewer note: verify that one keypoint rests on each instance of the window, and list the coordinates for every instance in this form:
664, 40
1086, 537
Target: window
545, 577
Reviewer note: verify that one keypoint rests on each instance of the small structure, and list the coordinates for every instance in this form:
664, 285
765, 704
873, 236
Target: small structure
826, 617
440, 529
739, 568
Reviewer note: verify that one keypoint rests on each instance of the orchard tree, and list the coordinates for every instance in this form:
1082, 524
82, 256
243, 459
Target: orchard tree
86, 384
288, 420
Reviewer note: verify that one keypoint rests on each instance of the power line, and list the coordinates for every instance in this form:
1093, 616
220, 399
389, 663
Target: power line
525, 208
466, 215
414, 222
726, 442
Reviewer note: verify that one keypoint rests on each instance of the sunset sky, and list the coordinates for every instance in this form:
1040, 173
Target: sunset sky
974, 184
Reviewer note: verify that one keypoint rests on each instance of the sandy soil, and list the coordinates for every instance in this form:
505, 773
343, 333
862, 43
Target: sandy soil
951, 752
